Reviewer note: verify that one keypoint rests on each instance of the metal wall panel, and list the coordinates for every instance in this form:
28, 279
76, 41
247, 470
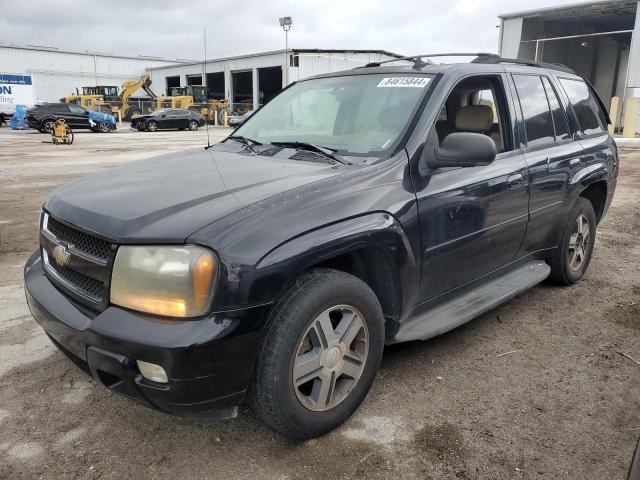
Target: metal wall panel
57, 73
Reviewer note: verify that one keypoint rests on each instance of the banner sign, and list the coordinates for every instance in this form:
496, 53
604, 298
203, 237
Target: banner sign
16, 90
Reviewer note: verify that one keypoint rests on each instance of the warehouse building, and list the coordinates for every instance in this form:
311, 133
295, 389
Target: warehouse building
600, 40
256, 78
56, 73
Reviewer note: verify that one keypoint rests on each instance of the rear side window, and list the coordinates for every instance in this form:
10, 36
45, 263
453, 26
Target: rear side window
535, 110
557, 112
590, 117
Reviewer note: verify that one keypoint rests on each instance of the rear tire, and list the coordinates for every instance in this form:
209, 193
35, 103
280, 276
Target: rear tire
571, 260
330, 323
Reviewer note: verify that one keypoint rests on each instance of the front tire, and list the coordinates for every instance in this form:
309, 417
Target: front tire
152, 126
320, 354
570, 262
104, 127
193, 125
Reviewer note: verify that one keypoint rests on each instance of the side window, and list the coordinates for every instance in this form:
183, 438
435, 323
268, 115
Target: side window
557, 112
61, 109
590, 117
476, 104
76, 110
485, 97
535, 110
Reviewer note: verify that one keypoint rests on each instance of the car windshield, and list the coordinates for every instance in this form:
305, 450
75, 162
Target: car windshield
159, 112
359, 115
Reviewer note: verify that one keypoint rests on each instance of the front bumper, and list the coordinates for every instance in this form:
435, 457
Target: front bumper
209, 361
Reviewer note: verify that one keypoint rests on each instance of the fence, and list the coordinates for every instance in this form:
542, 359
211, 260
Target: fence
216, 112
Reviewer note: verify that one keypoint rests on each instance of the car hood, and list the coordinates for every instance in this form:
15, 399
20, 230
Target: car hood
165, 199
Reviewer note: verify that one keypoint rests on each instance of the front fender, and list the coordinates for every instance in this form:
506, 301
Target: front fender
379, 234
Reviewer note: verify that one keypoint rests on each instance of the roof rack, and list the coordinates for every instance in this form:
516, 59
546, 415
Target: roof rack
417, 59
479, 58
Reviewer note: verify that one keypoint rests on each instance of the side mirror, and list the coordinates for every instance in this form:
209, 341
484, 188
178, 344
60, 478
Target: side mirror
462, 149
163, 115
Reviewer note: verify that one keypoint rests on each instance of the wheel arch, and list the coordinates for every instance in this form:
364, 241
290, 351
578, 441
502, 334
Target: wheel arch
596, 193
372, 247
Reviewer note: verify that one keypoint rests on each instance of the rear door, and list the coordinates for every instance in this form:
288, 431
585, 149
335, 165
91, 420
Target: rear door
592, 122
553, 156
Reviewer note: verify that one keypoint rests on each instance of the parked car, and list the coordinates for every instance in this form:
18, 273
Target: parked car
237, 120
43, 116
167, 119
356, 209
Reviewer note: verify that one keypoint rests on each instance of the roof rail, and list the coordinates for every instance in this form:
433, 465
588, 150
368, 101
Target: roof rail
480, 58
519, 61
417, 59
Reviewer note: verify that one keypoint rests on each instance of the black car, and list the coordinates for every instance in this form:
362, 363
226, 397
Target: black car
168, 119
356, 209
43, 116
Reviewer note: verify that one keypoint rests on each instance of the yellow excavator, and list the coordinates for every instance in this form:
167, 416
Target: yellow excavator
194, 97
106, 99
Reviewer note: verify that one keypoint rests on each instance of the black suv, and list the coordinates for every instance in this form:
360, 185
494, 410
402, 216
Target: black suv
43, 116
356, 209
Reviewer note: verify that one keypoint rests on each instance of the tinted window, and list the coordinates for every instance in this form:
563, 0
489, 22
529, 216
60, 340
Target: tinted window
559, 119
76, 110
60, 109
535, 110
590, 117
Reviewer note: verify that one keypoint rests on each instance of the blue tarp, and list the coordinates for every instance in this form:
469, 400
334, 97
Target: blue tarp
17, 120
98, 117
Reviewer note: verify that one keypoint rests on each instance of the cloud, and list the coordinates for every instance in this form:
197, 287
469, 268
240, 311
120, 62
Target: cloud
173, 29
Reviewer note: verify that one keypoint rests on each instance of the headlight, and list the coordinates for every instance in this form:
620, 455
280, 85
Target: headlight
170, 281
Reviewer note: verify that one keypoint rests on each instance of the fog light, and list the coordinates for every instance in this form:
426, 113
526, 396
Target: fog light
152, 372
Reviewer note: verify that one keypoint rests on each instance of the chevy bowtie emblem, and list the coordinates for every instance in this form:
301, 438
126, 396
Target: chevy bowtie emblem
61, 255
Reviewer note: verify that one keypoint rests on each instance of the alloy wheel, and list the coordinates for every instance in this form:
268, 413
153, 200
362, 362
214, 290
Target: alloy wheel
330, 358
578, 250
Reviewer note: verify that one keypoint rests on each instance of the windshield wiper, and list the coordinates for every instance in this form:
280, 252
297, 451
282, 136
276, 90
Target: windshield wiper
327, 152
249, 142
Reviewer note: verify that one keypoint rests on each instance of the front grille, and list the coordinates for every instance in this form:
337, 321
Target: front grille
93, 246
77, 262
84, 284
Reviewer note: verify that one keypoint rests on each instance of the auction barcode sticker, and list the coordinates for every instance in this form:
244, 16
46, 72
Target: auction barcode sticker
403, 82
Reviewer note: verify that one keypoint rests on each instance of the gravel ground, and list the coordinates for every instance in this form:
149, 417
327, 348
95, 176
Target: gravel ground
545, 386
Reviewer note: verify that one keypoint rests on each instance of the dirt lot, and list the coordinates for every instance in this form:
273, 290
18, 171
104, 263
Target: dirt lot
564, 403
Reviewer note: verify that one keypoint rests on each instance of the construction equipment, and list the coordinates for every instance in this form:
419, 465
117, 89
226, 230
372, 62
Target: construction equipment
106, 99
128, 89
194, 97
97, 99
61, 133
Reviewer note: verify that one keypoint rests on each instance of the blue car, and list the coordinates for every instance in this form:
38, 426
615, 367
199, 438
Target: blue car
102, 122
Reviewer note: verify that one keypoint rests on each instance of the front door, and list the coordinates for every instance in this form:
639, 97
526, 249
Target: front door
78, 117
472, 219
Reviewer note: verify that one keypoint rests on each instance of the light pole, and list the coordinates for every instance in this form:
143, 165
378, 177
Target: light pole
285, 23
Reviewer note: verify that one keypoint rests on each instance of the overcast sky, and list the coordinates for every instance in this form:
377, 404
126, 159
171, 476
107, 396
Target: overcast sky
173, 29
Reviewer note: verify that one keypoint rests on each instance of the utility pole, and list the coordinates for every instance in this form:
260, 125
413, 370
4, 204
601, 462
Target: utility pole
285, 23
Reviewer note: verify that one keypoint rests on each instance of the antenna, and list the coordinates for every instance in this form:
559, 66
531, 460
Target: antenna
204, 82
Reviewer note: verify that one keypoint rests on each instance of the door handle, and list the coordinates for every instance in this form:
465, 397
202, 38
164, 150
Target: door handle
514, 180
